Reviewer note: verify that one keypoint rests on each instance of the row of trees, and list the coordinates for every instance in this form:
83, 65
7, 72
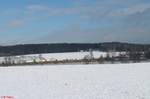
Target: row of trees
130, 56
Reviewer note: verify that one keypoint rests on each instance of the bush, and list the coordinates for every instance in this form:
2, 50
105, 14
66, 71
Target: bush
147, 55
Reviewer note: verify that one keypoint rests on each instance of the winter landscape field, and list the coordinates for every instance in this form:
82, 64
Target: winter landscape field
103, 81
55, 56
75, 49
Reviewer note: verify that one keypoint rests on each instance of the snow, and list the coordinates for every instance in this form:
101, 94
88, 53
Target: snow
105, 81
72, 55
69, 55
53, 56
58, 56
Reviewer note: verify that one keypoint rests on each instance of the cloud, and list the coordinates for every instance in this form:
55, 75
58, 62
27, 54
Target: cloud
37, 8
140, 8
81, 10
132, 28
96, 11
16, 23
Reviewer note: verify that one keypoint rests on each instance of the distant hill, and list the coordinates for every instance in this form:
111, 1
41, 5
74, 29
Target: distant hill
69, 47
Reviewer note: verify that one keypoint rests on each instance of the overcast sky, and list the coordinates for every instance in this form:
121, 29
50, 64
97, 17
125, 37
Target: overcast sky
88, 21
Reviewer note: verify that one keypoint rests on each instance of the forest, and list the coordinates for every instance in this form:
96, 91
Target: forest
25, 49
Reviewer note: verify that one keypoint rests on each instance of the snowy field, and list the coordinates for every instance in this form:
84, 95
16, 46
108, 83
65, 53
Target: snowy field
106, 81
54, 56
70, 55
57, 56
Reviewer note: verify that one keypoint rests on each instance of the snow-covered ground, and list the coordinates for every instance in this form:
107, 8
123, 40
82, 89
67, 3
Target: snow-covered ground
106, 81
53, 56
57, 56
70, 55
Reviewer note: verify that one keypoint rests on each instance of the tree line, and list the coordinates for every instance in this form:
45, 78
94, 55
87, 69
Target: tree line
70, 47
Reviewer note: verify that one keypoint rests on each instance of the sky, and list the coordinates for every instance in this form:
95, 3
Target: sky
74, 21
